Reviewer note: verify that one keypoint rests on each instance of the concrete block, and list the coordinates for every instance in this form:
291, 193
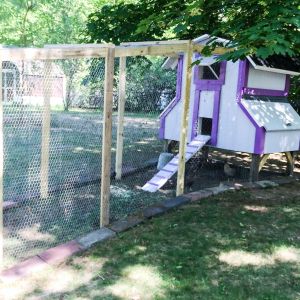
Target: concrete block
195, 196
284, 180
219, 189
125, 224
266, 183
60, 253
95, 237
153, 211
175, 202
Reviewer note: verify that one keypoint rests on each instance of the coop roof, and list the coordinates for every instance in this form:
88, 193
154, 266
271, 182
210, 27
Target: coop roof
274, 63
277, 63
272, 113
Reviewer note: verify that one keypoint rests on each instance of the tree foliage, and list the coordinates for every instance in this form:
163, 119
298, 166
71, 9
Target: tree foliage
39, 22
264, 27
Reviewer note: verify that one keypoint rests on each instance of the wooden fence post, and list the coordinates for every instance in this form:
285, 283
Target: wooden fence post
47, 84
187, 76
121, 108
1, 168
107, 136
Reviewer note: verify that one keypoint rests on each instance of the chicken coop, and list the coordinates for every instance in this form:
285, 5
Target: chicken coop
237, 106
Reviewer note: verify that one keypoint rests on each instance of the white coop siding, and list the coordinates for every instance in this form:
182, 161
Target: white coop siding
173, 119
266, 80
172, 123
236, 132
279, 141
206, 104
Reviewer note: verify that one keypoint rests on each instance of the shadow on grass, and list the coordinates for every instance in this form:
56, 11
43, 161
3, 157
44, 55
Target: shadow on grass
235, 246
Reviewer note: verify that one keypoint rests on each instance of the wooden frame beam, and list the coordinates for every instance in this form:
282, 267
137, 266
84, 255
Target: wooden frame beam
64, 51
107, 136
52, 53
187, 79
151, 50
46, 119
121, 108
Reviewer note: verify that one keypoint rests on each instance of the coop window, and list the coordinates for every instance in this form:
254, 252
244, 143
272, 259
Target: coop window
210, 72
205, 126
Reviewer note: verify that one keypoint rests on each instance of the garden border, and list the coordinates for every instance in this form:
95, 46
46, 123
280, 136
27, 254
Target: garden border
59, 254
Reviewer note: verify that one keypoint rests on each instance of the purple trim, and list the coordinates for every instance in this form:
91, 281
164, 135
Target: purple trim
202, 84
215, 125
247, 70
195, 114
263, 92
173, 103
208, 85
260, 132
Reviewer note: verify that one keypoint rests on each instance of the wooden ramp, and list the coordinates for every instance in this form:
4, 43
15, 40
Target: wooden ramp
161, 178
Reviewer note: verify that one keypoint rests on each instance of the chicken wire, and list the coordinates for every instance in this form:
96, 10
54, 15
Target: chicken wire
72, 205
149, 89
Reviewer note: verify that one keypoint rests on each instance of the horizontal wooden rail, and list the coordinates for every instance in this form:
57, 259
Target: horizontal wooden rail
151, 50
153, 43
217, 51
52, 52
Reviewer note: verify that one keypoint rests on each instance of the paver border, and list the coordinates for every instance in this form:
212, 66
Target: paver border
59, 254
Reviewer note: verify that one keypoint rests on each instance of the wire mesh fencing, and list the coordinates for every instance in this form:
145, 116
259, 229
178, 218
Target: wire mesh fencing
52, 153
53, 131
149, 89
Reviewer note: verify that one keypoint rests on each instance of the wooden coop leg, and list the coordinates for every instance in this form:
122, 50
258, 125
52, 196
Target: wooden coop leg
254, 167
257, 163
263, 160
290, 157
205, 152
166, 146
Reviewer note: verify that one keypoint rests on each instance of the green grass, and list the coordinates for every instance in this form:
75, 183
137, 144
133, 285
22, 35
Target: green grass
242, 245
75, 157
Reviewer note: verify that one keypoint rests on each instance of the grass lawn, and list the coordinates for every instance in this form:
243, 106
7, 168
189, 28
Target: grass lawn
243, 245
75, 157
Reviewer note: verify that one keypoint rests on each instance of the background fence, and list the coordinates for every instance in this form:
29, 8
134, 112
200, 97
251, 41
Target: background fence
57, 106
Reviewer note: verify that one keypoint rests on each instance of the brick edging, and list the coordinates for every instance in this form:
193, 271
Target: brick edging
62, 252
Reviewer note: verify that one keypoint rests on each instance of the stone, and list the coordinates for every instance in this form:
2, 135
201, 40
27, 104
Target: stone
266, 183
175, 202
60, 253
285, 180
125, 224
153, 211
95, 237
195, 196
24, 268
248, 185
219, 189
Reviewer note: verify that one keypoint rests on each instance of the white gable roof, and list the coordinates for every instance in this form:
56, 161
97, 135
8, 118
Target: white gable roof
258, 64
